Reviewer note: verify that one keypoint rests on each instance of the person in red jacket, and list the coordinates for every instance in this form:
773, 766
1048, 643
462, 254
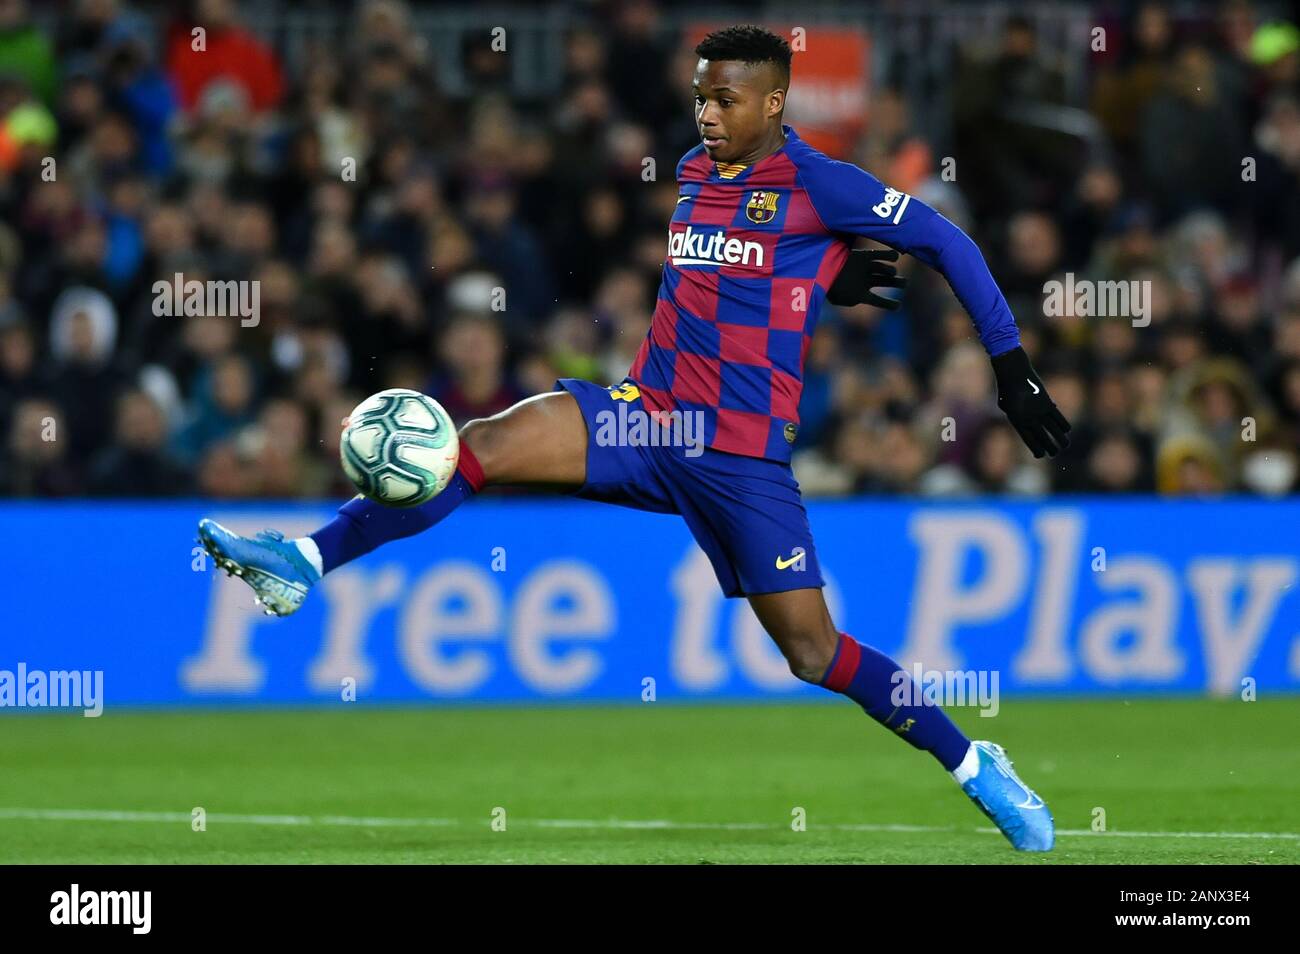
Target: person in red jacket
224, 52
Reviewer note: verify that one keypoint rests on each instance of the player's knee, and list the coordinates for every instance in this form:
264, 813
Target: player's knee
483, 437
809, 660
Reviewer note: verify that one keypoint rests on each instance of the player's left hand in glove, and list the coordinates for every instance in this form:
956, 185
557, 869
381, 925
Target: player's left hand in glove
1023, 398
864, 269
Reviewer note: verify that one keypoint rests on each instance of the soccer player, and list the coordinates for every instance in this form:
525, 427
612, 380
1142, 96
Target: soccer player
760, 233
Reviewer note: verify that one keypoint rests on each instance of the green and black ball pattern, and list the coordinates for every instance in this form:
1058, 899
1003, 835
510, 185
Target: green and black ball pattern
399, 448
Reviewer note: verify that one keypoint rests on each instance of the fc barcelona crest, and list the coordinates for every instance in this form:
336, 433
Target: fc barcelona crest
761, 207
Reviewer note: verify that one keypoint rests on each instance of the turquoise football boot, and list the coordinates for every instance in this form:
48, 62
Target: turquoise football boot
1008, 802
274, 567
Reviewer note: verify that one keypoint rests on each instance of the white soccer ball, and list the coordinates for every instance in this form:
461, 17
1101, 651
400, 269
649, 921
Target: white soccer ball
400, 447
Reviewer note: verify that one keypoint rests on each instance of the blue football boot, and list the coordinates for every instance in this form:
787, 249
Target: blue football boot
274, 567
1008, 802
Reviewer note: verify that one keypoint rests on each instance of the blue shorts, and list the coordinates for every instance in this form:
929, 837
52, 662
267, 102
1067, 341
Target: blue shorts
746, 513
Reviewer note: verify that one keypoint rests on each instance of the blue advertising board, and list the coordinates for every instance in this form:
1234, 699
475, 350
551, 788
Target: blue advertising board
527, 600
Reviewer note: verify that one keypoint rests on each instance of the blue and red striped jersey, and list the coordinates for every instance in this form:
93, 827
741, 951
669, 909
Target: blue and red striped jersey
752, 251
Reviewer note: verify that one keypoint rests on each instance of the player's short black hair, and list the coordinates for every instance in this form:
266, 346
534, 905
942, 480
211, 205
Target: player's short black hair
749, 44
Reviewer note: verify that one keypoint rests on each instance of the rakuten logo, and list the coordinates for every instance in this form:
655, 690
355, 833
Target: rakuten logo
712, 248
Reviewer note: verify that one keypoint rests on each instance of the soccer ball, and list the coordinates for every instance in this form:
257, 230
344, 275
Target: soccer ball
400, 447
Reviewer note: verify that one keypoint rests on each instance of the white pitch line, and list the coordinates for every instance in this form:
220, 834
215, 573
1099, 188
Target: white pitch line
649, 824
1072, 832
96, 815
362, 821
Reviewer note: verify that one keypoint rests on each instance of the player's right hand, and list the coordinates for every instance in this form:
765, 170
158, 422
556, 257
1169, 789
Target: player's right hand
1024, 399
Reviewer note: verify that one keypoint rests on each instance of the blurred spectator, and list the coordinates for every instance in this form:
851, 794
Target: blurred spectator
223, 474
276, 447
1192, 110
1116, 464
26, 52
141, 90
999, 143
136, 465
1278, 204
1121, 92
18, 372
1273, 469
961, 407
475, 383
213, 55
996, 465
36, 460
83, 334
1188, 465
221, 404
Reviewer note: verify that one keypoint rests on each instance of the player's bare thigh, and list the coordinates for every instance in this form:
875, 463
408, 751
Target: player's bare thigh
540, 440
800, 624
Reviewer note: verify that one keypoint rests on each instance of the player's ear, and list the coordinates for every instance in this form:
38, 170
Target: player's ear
775, 102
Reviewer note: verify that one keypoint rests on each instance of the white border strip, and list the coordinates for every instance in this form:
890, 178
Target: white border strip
902, 205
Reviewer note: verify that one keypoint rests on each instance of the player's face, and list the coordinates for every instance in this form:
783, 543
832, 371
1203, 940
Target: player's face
737, 109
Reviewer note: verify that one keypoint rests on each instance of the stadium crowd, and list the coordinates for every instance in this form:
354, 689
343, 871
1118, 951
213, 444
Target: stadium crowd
127, 157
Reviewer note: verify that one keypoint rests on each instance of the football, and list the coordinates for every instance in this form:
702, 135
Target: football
400, 447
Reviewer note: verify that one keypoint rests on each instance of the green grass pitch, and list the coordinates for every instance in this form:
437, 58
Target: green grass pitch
651, 783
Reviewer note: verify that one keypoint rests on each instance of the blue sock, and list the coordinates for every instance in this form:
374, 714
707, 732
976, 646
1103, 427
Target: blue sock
362, 524
870, 678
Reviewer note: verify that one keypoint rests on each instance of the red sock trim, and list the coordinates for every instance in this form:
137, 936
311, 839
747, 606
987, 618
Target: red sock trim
470, 468
847, 656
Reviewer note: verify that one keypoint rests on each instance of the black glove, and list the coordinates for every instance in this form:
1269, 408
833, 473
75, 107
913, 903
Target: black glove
1024, 399
864, 269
